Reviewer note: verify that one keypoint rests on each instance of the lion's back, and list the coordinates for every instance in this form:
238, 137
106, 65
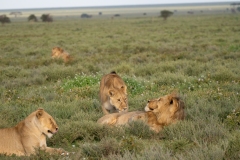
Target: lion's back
10, 140
111, 80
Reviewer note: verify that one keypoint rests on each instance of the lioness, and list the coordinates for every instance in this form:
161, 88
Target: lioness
58, 52
113, 94
29, 135
158, 113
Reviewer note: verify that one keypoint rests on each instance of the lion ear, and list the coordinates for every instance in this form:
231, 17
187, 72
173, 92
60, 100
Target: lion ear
39, 113
124, 89
171, 98
111, 93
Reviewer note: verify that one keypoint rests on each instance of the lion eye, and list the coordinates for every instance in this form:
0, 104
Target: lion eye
119, 100
171, 102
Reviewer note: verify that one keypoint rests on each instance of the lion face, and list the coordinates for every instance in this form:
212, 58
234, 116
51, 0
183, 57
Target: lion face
46, 124
118, 99
167, 108
56, 52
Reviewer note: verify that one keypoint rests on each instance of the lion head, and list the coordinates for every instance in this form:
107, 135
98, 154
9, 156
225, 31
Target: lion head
56, 52
168, 109
118, 99
45, 123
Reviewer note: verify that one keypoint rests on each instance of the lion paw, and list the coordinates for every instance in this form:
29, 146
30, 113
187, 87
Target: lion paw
62, 152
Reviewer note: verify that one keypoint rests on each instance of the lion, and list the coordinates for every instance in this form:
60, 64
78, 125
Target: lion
157, 114
58, 52
30, 134
113, 94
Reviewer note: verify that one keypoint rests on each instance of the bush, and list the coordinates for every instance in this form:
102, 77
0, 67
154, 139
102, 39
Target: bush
33, 18
130, 144
165, 14
105, 147
84, 15
232, 121
4, 19
134, 87
139, 129
46, 18
232, 151
80, 81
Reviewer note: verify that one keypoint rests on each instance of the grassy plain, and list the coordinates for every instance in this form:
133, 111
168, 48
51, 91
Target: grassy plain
196, 55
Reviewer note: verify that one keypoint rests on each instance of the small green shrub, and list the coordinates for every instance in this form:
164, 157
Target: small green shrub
131, 144
179, 145
234, 48
12, 157
232, 151
105, 147
232, 121
139, 129
73, 132
134, 87
80, 81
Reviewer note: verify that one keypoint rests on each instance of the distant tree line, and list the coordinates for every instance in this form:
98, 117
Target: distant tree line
44, 18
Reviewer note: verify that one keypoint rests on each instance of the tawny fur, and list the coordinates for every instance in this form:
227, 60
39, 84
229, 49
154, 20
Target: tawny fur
113, 94
117, 119
59, 53
29, 134
158, 113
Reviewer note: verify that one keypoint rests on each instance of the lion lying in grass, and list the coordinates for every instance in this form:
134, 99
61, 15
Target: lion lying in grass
29, 134
158, 113
113, 94
58, 52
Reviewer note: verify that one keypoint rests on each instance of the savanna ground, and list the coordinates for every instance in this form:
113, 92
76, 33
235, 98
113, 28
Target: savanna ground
196, 55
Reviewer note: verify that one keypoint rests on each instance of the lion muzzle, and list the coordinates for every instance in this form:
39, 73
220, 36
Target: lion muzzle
53, 132
147, 109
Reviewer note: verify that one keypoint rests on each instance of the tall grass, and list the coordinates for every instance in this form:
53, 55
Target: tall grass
197, 56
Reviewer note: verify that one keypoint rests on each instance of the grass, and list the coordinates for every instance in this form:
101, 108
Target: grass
197, 56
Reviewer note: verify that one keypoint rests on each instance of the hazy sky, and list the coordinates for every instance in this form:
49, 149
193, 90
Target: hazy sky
21, 4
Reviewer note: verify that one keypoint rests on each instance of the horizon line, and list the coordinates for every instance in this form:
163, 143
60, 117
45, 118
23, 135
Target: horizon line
130, 5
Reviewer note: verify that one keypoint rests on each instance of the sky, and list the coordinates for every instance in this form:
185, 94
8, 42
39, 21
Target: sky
27, 4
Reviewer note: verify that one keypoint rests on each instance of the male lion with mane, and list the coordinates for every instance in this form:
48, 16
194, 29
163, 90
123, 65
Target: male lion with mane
29, 134
58, 52
158, 113
113, 94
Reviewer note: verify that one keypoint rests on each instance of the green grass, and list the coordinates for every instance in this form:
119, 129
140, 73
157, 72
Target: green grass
197, 56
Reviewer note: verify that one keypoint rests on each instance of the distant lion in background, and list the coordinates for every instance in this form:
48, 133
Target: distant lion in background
58, 53
113, 94
30, 134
